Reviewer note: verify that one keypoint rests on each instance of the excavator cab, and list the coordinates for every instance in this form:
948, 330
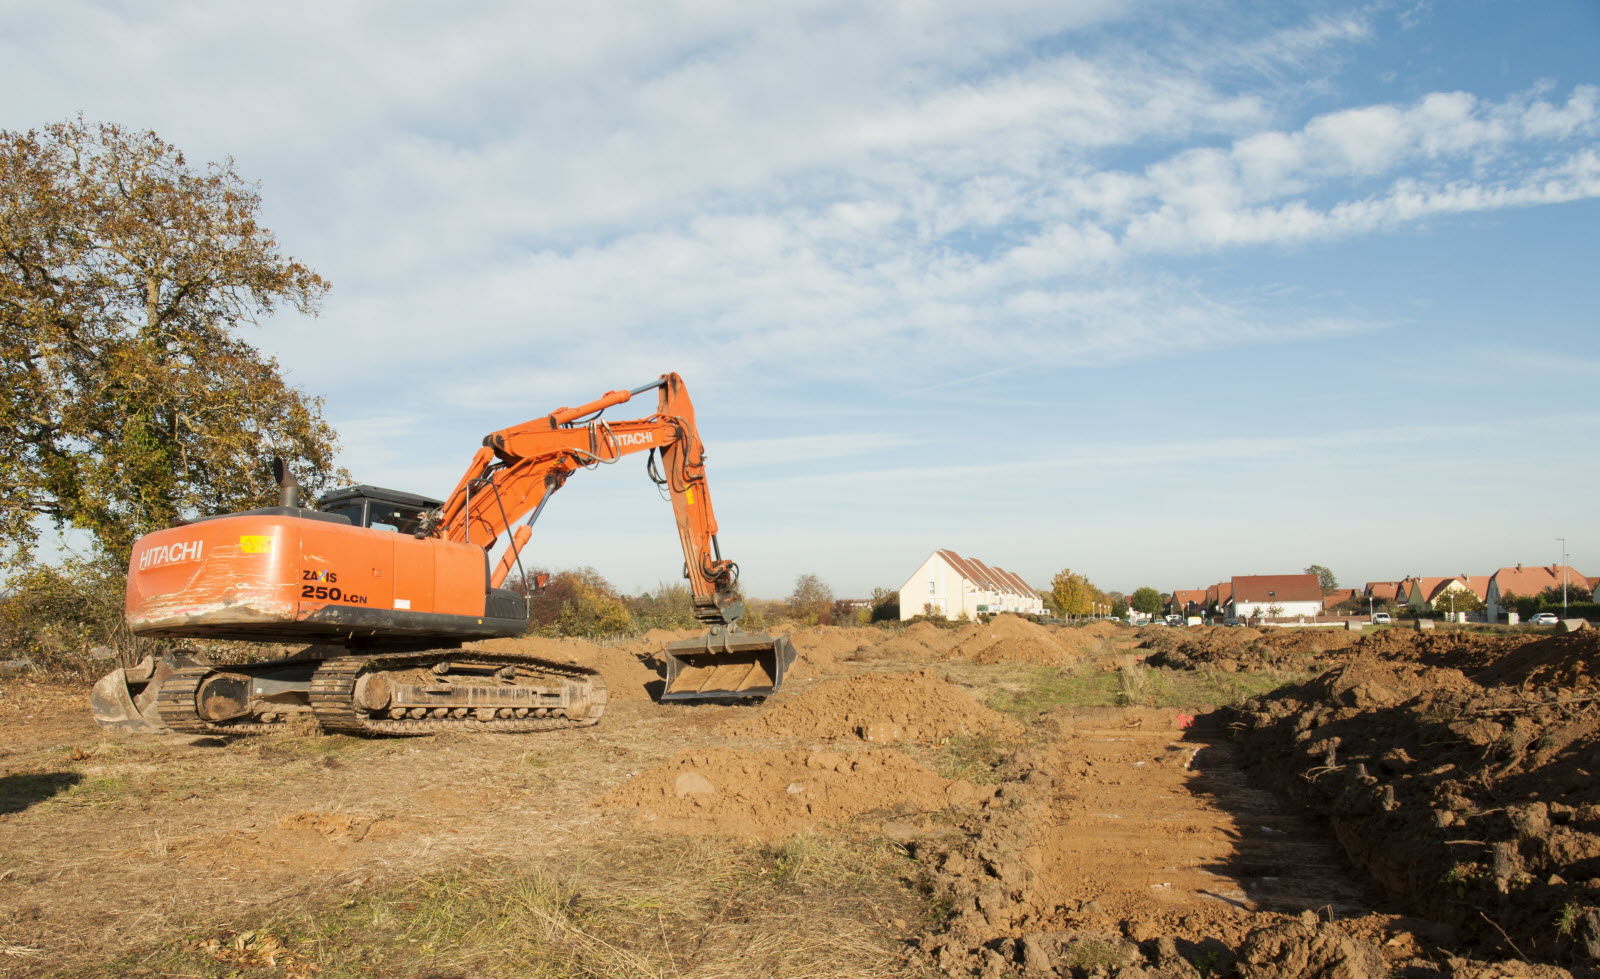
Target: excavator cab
378, 508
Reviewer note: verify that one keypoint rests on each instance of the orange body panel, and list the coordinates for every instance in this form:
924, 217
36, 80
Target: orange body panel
252, 575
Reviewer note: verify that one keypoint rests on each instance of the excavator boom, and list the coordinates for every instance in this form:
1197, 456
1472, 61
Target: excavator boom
518, 468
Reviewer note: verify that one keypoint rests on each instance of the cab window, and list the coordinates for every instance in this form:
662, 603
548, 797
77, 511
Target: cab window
388, 516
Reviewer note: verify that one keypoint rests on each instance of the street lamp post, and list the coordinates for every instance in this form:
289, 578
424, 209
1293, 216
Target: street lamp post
1563, 541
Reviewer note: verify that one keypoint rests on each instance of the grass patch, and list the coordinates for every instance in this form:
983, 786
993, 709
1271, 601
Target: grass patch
975, 758
1210, 687
1043, 689
811, 905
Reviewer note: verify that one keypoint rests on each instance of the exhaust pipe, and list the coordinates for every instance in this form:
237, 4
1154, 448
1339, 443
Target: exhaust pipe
288, 486
725, 664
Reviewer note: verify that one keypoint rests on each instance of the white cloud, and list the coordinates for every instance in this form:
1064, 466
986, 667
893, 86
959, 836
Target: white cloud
523, 205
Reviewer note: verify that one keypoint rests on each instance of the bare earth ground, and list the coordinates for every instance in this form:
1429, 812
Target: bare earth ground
968, 803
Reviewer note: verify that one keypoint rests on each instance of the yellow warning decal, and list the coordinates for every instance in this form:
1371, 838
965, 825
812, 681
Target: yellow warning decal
688, 495
255, 544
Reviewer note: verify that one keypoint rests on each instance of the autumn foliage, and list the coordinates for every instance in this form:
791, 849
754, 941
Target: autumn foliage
128, 397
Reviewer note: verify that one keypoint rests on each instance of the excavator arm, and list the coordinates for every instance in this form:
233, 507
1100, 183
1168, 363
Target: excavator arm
517, 470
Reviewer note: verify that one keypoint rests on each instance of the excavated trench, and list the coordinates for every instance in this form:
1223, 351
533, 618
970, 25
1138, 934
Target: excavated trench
1130, 842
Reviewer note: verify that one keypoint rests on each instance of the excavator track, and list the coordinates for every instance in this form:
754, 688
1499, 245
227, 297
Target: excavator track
175, 703
334, 703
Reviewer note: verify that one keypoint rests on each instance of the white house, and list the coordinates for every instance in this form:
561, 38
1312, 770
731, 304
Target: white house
1276, 594
949, 584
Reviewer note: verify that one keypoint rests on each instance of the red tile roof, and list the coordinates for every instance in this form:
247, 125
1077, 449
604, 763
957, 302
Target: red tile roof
997, 581
1183, 597
1383, 590
1259, 588
985, 577
1478, 584
1432, 588
1016, 580
1530, 581
1338, 595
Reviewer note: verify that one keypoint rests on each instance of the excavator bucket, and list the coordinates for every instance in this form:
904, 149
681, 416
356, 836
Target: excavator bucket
124, 700
726, 665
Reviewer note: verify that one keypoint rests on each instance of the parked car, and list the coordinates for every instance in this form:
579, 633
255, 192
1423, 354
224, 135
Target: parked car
1382, 618
1544, 618
1234, 623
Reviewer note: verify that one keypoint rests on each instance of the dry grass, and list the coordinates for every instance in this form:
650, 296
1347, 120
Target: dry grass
810, 906
1028, 692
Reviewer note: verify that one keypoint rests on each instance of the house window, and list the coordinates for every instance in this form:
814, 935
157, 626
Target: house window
930, 586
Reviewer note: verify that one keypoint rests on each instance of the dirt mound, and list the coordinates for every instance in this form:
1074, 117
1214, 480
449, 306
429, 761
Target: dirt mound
765, 794
1392, 643
921, 642
657, 638
824, 647
1249, 651
919, 706
1081, 642
1010, 639
627, 677
1101, 628
1312, 639
1467, 793
1517, 659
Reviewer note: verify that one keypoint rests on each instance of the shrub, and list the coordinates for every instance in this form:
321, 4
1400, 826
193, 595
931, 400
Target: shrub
667, 607
55, 615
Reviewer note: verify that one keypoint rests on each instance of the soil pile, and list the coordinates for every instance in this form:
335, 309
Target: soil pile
1509, 660
626, 676
920, 642
823, 648
919, 706
1010, 639
767, 794
1467, 793
1311, 639
656, 638
1101, 628
1247, 650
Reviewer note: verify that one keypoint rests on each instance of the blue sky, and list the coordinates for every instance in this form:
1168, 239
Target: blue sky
1161, 291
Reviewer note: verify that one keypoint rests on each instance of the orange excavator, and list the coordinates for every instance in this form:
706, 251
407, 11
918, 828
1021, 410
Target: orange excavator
386, 586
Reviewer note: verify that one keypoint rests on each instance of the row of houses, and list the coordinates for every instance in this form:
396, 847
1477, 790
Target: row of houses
1494, 592
950, 585
1249, 596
